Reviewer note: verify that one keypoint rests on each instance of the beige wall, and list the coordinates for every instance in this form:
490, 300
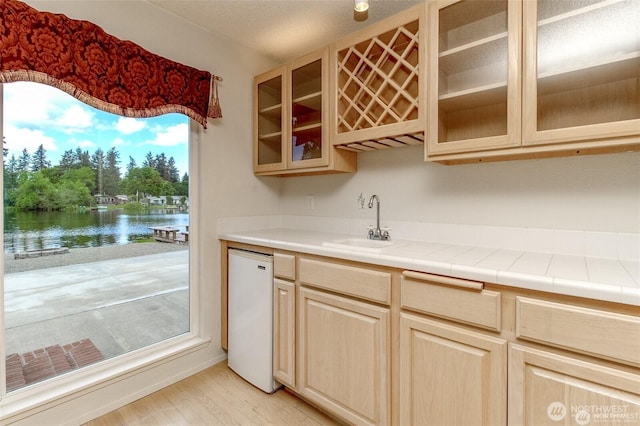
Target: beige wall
589, 193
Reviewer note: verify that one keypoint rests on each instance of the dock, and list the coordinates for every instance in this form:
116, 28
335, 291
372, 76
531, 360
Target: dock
170, 234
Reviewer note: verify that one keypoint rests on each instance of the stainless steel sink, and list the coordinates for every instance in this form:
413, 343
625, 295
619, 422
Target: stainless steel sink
362, 244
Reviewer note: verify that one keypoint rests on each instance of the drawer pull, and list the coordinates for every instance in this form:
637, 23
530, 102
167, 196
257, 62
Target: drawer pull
448, 281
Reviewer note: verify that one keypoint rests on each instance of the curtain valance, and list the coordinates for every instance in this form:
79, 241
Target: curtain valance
99, 69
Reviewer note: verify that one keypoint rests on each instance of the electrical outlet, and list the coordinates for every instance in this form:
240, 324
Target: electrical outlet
311, 202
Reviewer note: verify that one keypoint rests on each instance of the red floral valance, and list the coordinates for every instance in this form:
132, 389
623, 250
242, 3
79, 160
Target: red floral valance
99, 69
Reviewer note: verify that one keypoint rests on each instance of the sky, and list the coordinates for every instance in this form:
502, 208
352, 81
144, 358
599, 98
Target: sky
36, 114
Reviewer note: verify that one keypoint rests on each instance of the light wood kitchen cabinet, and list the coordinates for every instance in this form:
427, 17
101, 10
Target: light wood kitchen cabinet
594, 332
581, 70
377, 345
284, 332
459, 300
291, 120
551, 389
474, 75
284, 318
573, 88
378, 88
450, 375
269, 121
343, 358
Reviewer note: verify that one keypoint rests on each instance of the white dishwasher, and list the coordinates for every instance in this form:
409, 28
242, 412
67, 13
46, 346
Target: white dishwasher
250, 320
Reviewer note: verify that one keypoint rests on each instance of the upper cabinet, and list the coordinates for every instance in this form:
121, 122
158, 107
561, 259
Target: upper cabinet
473, 73
291, 120
520, 79
378, 88
268, 127
582, 70
472, 80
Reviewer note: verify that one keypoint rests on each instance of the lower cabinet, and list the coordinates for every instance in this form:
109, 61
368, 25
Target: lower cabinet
550, 389
374, 345
343, 362
450, 376
284, 332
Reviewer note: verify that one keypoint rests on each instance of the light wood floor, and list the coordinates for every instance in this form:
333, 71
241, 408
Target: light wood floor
215, 396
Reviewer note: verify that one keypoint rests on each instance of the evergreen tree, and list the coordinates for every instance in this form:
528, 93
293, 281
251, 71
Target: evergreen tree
161, 166
97, 165
24, 161
10, 178
82, 158
149, 161
68, 160
39, 160
132, 164
173, 171
111, 173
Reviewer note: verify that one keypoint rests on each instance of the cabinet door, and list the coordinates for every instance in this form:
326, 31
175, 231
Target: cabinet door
307, 146
269, 114
582, 70
343, 358
450, 376
473, 75
284, 332
549, 389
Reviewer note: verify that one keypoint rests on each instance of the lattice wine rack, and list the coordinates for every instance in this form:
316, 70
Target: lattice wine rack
378, 91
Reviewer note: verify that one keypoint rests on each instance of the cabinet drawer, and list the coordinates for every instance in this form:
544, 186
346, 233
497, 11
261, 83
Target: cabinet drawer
284, 266
350, 280
455, 299
595, 332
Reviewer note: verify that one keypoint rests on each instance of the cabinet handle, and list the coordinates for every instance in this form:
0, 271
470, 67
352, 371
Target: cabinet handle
448, 281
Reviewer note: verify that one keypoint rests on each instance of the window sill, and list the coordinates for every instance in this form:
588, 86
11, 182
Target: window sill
27, 401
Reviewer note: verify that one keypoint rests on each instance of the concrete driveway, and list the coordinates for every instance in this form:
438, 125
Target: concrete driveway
121, 305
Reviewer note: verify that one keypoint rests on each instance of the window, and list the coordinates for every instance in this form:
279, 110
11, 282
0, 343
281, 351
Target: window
96, 233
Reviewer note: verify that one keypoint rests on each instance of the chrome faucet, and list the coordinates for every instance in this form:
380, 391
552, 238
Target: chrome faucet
377, 233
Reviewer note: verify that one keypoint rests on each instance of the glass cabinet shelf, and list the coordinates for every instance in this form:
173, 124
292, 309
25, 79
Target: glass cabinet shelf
474, 97
473, 80
585, 74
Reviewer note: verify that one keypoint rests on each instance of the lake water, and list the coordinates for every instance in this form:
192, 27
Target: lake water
38, 230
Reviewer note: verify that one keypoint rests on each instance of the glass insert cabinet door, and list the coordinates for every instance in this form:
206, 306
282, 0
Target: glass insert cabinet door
268, 121
308, 104
474, 75
582, 66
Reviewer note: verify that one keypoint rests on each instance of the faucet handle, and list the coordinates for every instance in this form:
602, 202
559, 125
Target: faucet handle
370, 232
385, 233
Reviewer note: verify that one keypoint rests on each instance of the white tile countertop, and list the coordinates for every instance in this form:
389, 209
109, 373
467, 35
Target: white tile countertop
583, 276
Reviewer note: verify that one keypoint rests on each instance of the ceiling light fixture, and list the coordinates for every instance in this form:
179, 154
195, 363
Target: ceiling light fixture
361, 5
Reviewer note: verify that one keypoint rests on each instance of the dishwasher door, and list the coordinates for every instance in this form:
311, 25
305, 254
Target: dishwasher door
251, 317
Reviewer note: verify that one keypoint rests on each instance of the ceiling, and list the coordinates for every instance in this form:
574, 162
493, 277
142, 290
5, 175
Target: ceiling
281, 29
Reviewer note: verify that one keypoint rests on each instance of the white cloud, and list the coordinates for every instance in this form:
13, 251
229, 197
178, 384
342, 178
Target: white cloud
129, 125
74, 119
30, 102
171, 136
45, 107
20, 138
